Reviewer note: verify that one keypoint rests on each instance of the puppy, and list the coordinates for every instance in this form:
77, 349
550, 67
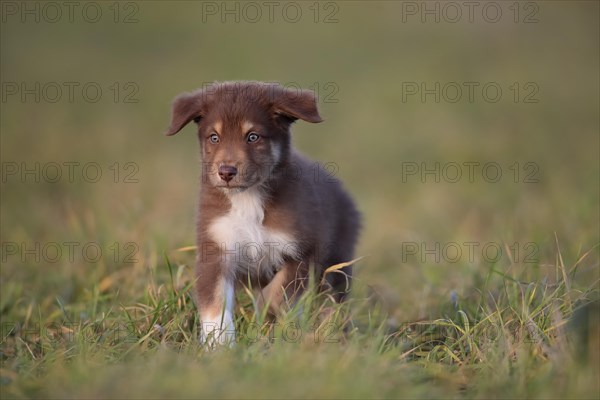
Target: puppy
267, 215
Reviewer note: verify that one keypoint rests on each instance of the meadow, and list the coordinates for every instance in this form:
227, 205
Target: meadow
467, 133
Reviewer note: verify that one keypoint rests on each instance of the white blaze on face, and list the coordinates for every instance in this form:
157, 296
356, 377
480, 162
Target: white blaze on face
217, 325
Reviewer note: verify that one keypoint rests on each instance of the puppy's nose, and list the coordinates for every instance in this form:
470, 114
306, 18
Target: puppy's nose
227, 172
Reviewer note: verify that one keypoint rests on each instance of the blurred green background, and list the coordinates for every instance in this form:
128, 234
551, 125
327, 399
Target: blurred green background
360, 57
360, 62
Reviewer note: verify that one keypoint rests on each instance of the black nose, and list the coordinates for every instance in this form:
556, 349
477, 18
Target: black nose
227, 172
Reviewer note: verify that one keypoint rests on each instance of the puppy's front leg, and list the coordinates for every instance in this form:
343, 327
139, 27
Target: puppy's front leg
287, 285
216, 301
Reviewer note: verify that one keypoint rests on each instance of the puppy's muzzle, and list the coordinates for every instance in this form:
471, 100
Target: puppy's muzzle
227, 172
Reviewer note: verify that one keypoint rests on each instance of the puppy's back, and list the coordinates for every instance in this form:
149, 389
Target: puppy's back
328, 219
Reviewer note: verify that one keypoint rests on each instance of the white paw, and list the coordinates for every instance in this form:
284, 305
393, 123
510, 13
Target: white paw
219, 330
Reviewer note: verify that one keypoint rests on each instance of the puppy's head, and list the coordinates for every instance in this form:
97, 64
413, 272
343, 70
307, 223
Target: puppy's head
243, 128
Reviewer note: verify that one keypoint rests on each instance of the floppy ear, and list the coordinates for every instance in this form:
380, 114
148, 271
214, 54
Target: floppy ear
296, 104
186, 107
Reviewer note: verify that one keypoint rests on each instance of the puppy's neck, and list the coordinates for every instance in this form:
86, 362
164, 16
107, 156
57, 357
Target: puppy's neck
247, 204
282, 173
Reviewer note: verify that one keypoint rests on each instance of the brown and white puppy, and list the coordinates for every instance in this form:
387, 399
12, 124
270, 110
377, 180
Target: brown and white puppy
266, 214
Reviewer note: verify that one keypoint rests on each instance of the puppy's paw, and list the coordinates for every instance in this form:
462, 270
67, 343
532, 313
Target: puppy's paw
217, 332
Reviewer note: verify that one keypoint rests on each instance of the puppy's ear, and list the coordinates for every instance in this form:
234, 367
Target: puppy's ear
186, 107
296, 104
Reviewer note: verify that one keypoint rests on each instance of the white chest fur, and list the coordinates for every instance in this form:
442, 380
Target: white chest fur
244, 241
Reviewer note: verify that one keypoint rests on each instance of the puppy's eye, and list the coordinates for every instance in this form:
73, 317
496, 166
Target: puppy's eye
214, 138
252, 137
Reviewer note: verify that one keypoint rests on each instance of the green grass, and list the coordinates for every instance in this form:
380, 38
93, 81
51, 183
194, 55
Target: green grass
524, 325
508, 338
